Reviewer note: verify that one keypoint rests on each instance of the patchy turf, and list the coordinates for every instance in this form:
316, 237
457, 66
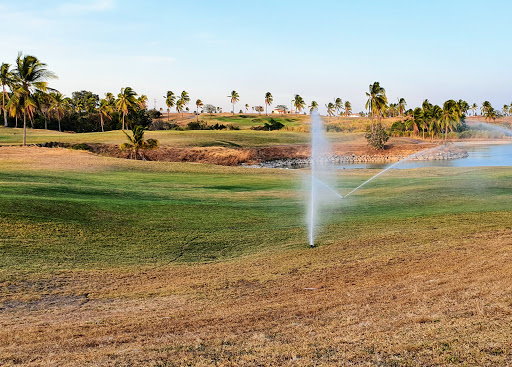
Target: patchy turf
115, 262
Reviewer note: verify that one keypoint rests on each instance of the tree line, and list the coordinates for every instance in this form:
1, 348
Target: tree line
27, 97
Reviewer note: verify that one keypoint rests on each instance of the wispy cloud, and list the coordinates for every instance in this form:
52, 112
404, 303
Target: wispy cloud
80, 7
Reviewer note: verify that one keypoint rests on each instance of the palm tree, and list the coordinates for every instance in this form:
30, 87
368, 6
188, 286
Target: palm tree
474, 108
436, 115
180, 105
137, 142
104, 109
486, 106
199, 104
14, 107
234, 99
505, 109
298, 103
31, 75
142, 102
43, 102
377, 101
247, 107
451, 116
169, 101
348, 108
331, 108
268, 101
126, 101
338, 104
401, 106
6, 80
109, 97
313, 107
185, 98
58, 107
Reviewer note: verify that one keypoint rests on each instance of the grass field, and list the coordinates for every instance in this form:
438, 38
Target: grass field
116, 262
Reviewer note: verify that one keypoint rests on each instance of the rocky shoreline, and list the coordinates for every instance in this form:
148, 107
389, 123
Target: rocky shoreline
428, 155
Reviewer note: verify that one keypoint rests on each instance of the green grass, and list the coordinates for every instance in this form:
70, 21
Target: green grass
138, 213
247, 121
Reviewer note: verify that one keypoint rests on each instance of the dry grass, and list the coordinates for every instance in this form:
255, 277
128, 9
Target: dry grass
378, 303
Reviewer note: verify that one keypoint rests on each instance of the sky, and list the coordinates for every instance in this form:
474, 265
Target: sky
321, 50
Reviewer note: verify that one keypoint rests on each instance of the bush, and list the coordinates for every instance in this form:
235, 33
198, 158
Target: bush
154, 114
80, 146
163, 125
232, 127
376, 137
269, 126
197, 125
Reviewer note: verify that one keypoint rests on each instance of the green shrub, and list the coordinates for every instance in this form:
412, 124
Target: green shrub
376, 136
80, 146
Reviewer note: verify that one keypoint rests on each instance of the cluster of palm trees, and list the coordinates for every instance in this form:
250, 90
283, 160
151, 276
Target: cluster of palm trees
337, 108
434, 119
180, 103
26, 94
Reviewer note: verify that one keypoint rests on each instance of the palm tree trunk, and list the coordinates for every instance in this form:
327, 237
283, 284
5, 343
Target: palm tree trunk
24, 128
101, 120
59, 125
266, 113
16, 125
123, 122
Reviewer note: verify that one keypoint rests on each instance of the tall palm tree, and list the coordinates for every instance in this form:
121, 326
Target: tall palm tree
247, 107
105, 110
6, 80
377, 101
338, 104
180, 105
268, 101
30, 74
401, 106
199, 104
331, 108
170, 99
486, 107
313, 107
109, 97
434, 124
474, 108
348, 108
186, 99
298, 103
59, 106
126, 101
234, 98
506, 108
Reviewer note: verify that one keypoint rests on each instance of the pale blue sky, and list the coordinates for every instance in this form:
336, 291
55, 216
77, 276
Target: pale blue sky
320, 50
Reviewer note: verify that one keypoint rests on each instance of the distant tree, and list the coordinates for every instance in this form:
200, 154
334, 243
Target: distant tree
313, 107
268, 101
377, 101
451, 116
208, 108
126, 102
506, 108
186, 99
331, 108
105, 110
199, 104
234, 98
259, 109
247, 107
348, 108
142, 102
401, 106
376, 136
338, 104
170, 99
474, 108
6, 80
58, 106
282, 107
298, 103
137, 143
